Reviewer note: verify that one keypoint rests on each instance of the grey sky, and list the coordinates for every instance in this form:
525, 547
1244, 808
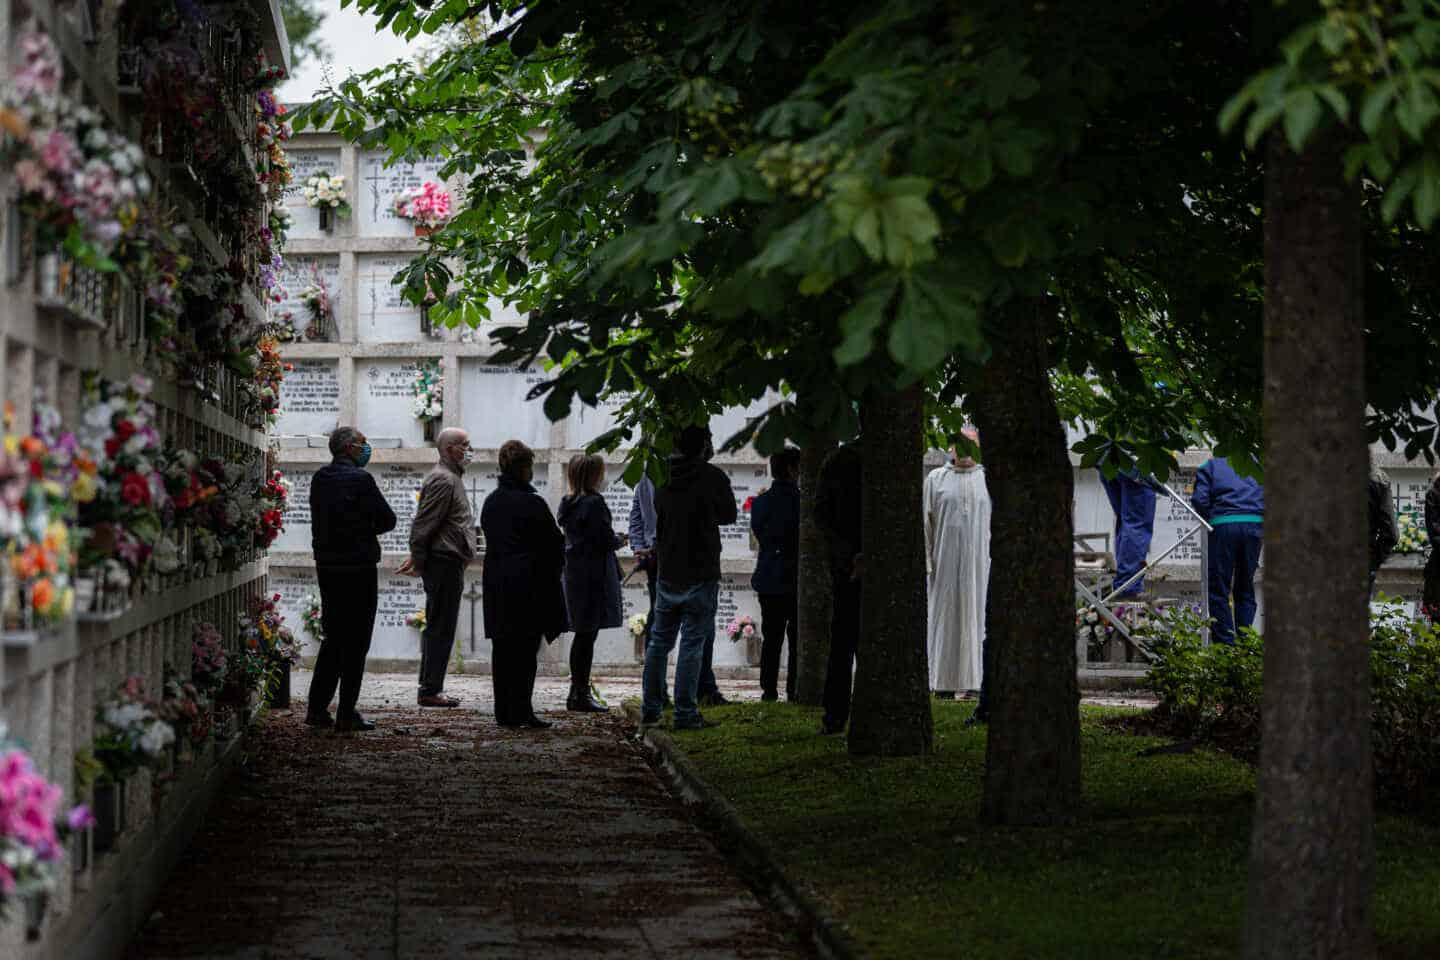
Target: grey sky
355, 47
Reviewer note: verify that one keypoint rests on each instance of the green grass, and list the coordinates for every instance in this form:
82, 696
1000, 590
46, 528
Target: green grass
1155, 868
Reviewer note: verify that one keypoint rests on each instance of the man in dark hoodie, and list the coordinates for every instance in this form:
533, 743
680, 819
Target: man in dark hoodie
689, 512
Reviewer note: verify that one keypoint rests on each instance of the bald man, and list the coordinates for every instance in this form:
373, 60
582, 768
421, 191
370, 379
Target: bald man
442, 544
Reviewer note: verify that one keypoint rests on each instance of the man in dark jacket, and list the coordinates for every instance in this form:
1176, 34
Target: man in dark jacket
689, 512
837, 514
775, 521
347, 515
1235, 507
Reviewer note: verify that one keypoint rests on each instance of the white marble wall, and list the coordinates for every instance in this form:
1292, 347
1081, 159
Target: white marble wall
303, 164
378, 188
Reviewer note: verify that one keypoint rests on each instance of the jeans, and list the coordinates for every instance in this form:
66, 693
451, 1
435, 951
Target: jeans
1134, 506
844, 641
444, 580
1234, 555
348, 599
688, 612
778, 615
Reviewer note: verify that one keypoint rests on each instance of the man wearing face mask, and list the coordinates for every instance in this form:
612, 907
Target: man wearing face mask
347, 515
442, 544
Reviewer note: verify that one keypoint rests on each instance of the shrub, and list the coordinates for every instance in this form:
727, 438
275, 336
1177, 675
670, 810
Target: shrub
1212, 693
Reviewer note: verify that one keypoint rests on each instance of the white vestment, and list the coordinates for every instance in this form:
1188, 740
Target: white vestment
957, 558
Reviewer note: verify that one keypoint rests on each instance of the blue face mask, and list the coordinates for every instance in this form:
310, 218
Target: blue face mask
364, 457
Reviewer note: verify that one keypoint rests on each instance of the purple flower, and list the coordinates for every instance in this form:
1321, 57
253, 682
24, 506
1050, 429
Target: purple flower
80, 818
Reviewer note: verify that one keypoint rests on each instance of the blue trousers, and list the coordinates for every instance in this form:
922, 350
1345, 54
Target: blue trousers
1234, 555
1134, 506
689, 614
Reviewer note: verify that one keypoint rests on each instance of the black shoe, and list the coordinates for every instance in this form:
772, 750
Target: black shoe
584, 704
651, 721
353, 724
701, 724
321, 719
977, 719
768, 697
535, 723
716, 699
829, 727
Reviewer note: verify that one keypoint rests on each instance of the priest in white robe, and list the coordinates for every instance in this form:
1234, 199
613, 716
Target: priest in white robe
957, 559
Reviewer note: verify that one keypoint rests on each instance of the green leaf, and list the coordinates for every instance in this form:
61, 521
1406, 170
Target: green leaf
1427, 192
1302, 116
1372, 111
859, 323
1399, 191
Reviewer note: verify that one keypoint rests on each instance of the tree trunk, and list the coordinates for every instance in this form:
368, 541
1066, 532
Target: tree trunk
891, 712
813, 626
1032, 758
1312, 850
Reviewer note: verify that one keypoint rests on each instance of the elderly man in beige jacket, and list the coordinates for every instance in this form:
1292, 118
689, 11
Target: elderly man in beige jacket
442, 544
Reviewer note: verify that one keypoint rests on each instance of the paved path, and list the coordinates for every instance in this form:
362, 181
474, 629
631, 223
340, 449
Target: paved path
442, 835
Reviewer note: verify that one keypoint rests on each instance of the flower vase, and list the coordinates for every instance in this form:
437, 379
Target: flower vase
432, 428
80, 845
280, 697
423, 231
35, 906
107, 816
327, 218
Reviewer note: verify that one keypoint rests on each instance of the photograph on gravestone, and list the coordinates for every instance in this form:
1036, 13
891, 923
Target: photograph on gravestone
299, 276
385, 316
493, 402
378, 187
383, 405
309, 399
305, 164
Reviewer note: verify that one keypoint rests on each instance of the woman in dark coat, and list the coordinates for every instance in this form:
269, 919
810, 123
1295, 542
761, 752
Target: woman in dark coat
592, 572
524, 553
1431, 596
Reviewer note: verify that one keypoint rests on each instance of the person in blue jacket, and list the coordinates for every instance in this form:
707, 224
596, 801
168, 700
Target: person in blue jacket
1133, 500
775, 521
1235, 507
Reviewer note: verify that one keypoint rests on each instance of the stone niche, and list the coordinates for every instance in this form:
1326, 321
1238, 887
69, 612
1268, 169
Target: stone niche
384, 391
378, 187
309, 399
384, 316
294, 585
304, 164
298, 274
737, 599
495, 409
296, 535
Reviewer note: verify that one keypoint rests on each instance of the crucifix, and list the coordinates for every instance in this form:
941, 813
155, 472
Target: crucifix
375, 179
473, 595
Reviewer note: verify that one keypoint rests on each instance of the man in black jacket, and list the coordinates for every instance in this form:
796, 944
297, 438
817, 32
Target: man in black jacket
689, 512
347, 515
837, 514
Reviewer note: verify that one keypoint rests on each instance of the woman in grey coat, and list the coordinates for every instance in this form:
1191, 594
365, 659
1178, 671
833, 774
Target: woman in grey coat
592, 572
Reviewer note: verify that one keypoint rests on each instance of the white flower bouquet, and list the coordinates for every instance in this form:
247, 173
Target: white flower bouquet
327, 190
